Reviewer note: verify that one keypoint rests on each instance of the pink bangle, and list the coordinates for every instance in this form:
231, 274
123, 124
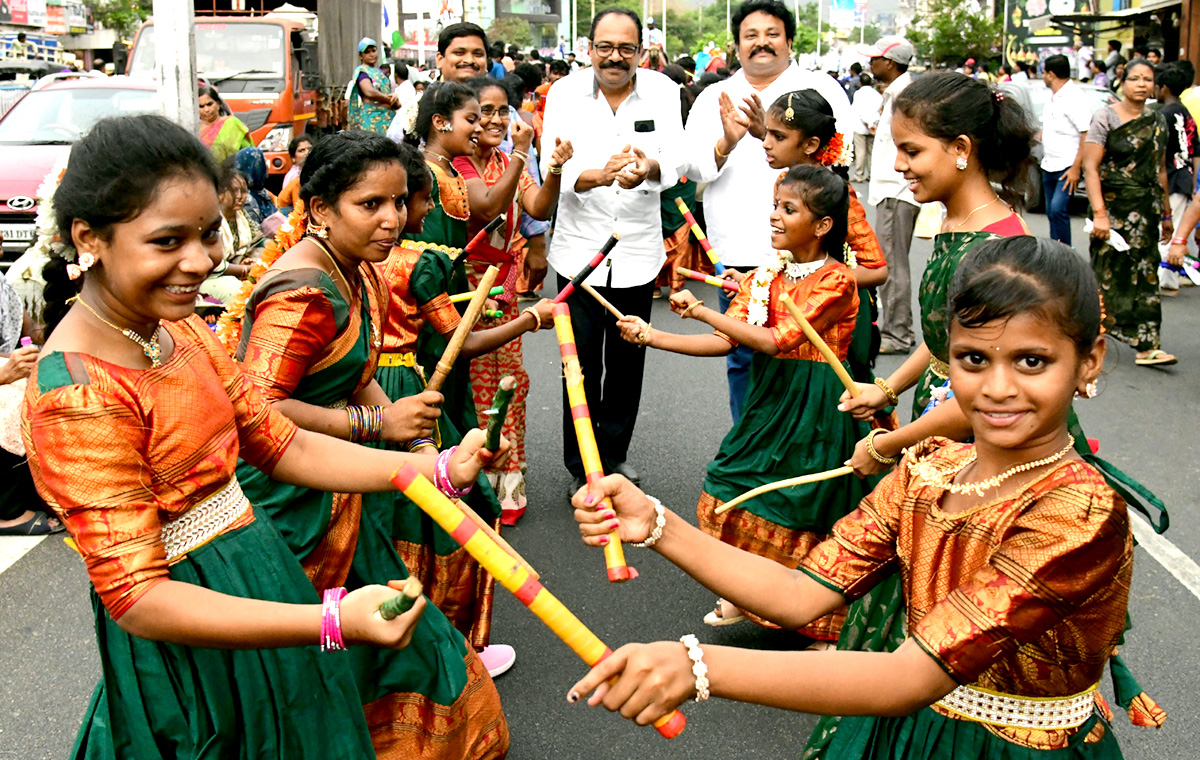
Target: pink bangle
331, 621
441, 476
1178, 241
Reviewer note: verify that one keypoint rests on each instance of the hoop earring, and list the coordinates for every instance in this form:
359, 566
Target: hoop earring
961, 163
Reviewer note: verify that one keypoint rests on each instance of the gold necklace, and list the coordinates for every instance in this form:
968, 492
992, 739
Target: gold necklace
376, 338
153, 351
944, 480
428, 152
968, 216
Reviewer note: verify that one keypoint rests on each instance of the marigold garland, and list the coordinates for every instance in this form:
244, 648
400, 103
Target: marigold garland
291, 232
831, 154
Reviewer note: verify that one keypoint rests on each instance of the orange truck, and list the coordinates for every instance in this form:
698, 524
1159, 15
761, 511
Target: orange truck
265, 68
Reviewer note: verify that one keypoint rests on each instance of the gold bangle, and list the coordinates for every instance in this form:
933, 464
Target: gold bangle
718, 150
521, 155
555, 169
644, 336
683, 314
875, 454
537, 320
892, 398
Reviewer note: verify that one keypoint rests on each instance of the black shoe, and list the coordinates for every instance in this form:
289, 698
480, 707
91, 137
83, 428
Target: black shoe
624, 468
576, 484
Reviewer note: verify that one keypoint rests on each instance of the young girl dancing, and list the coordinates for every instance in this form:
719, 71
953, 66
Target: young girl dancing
788, 426
1016, 556
801, 132
135, 419
310, 340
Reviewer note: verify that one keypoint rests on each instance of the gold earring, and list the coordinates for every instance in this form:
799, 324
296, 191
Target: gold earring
319, 230
1089, 391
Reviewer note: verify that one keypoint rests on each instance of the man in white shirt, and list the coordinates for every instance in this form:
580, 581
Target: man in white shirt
895, 208
1065, 123
729, 155
867, 104
627, 130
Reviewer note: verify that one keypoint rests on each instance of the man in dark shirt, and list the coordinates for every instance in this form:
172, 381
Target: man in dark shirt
1182, 149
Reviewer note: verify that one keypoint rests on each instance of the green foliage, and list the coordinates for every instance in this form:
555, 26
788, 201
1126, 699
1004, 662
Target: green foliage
957, 30
512, 31
125, 16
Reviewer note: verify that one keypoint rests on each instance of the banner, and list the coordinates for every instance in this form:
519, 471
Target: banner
1022, 45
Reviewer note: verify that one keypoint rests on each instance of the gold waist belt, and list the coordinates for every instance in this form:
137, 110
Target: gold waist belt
939, 367
205, 521
398, 359
984, 706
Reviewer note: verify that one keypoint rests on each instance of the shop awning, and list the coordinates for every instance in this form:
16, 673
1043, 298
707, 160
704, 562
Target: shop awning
1079, 22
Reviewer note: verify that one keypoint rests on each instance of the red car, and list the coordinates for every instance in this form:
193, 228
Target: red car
41, 127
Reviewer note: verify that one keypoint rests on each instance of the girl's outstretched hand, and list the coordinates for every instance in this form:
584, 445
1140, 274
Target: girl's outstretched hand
682, 300
871, 399
632, 513
471, 457
631, 327
362, 623
651, 681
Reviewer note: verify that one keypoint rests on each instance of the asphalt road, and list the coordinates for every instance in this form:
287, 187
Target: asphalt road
1145, 420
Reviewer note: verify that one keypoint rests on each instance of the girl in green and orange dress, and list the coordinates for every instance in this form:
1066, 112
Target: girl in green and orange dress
135, 418
789, 426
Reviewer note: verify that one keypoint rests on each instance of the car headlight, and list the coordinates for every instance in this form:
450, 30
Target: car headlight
276, 140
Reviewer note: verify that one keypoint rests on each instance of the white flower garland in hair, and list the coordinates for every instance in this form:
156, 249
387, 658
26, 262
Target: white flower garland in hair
846, 158
760, 283
850, 256
49, 240
409, 113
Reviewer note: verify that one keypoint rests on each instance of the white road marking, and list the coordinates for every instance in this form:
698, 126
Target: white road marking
12, 548
1167, 554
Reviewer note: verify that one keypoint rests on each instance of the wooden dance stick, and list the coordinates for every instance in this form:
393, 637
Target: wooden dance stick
460, 297
402, 602
603, 301
729, 285
477, 241
820, 345
815, 477
464, 328
515, 578
699, 233
589, 452
605, 249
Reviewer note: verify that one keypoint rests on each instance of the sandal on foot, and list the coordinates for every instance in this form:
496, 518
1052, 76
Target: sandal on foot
1156, 358
38, 525
719, 617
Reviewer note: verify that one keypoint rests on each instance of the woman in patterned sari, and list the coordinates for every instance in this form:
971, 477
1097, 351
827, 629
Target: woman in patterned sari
500, 184
220, 130
311, 337
136, 418
370, 104
1125, 172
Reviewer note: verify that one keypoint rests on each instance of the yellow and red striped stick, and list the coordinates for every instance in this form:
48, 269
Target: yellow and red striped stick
699, 233
515, 577
715, 281
589, 452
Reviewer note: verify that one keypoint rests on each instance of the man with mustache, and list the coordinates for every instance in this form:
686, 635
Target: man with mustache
728, 152
462, 52
627, 131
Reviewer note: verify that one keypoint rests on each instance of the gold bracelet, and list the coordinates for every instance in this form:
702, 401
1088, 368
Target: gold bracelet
555, 169
537, 320
521, 155
718, 150
875, 454
644, 336
892, 398
683, 314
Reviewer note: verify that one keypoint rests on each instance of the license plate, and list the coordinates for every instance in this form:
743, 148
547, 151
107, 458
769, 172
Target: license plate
17, 232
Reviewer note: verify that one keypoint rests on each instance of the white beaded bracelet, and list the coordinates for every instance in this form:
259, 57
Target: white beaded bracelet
699, 669
660, 522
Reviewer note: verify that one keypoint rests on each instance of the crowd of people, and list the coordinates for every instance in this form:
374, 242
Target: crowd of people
975, 554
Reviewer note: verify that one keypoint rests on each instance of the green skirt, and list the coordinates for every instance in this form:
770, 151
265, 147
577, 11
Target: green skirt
927, 735
790, 426
159, 700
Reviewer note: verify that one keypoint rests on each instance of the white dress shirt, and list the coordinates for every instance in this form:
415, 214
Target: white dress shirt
886, 182
649, 119
1065, 118
741, 194
867, 105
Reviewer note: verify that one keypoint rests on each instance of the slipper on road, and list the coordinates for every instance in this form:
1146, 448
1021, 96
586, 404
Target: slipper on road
1156, 358
38, 525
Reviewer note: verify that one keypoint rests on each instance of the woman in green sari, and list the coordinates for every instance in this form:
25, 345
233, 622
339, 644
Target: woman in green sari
1125, 172
369, 99
311, 337
220, 130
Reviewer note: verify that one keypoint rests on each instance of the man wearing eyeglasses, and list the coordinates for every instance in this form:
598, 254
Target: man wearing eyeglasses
627, 131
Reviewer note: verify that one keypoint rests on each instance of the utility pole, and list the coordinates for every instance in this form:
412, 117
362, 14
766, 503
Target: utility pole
175, 61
